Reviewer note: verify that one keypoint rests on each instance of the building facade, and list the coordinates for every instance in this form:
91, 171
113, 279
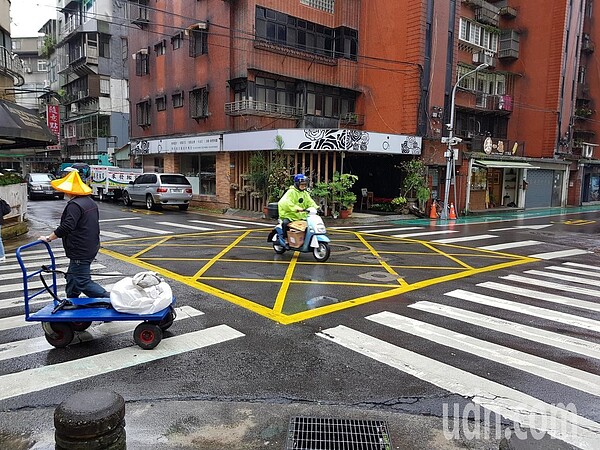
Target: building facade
367, 93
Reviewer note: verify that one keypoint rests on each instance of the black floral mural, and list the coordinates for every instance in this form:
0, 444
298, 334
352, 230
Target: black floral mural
349, 140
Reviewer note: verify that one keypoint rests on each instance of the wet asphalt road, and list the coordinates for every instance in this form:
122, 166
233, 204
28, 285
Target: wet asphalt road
241, 392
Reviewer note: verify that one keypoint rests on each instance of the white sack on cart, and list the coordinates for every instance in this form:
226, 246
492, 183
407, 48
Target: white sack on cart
144, 293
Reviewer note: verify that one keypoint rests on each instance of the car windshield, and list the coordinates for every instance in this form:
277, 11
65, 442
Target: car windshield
174, 179
38, 177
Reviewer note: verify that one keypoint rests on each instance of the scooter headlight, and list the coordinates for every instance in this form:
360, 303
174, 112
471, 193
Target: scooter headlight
320, 228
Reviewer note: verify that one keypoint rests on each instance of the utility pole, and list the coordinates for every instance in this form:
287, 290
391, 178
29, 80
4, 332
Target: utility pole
452, 141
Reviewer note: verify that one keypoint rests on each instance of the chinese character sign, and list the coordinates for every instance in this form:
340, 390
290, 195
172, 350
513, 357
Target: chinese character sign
53, 119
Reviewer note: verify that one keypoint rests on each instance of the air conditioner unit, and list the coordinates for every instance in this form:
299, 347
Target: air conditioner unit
483, 57
28, 69
587, 151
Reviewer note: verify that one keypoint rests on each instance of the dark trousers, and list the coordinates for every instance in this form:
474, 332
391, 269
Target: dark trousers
284, 227
79, 280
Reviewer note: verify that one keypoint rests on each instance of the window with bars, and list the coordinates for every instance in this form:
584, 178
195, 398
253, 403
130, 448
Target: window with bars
161, 103
476, 34
199, 103
198, 42
104, 86
160, 48
142, 63
177, 41
323, 5
143, 113
177, 99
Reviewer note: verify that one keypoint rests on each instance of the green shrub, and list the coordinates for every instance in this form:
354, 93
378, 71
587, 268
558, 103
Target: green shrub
11, 178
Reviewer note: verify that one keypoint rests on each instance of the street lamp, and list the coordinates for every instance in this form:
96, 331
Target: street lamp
451, 141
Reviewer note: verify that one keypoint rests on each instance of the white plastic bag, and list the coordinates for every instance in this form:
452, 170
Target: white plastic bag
144, 293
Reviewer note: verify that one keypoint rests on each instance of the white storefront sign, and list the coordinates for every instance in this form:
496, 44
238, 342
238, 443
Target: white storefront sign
192, 144
319, 139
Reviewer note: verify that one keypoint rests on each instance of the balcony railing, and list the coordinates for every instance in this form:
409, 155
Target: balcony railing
254, 107
11, 65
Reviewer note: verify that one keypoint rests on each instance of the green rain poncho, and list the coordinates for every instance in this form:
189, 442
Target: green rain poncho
291, 200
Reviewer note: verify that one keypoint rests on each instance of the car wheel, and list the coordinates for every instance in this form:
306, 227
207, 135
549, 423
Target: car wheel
150, 202
126, 199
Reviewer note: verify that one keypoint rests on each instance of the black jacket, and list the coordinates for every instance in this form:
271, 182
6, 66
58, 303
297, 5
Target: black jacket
80, 228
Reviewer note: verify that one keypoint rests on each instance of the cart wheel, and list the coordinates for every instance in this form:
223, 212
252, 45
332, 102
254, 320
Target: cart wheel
168, 320
80, 326
58, 334
147, 335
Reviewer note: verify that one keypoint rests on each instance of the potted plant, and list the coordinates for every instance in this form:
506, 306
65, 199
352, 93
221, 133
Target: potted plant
415, 181
279, 179
399, 204
340, 187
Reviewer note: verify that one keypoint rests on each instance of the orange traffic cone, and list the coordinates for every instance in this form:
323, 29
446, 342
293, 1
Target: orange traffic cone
452, 212
433, 212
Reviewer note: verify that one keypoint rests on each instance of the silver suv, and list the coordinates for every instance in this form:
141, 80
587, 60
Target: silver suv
157, 189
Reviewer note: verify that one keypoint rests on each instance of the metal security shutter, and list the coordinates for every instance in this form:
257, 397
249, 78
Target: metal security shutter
539, 188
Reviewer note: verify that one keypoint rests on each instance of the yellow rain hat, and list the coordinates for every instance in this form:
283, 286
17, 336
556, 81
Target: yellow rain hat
71, 184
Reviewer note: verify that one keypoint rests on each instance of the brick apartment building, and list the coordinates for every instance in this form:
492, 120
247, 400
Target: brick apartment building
363, 86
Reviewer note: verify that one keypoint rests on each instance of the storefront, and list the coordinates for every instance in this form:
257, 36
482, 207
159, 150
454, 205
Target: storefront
590, 189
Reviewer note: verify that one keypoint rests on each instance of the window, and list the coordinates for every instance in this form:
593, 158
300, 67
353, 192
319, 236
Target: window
177, 41
328, 101
142, 63
199, 103
104, 46
124, 49
198, 42
42, 65
202, 166
104, 86
177, 99
161, 103
476, 34
143, 113
324, 5
160, 48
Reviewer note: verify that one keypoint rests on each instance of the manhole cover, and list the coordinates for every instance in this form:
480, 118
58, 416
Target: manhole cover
312, 433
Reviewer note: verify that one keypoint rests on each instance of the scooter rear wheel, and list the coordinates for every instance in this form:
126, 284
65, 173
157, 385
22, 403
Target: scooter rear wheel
322, 252
279, 249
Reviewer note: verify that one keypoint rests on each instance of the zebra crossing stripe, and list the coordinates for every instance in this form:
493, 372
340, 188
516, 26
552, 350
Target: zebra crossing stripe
245, 222
576, 271
112, 235
558, 276
389, 230
218, 224
508, 245
354, 227
583, 266
425, 233
555, 316
28, 263
465, 238
544, 368
182, 225
46, 377
560, 254
547, 297
551, 285
32, 285
540, 336
119, 219
25, 347
510, 403
19, 274
145, 229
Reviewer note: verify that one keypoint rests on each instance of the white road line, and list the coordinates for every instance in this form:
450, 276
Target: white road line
40, 378
477, 237
544, 368
508, 245
576, 271
17, 349
559, 276
571, 344
19, 275
29, 263
119, 219
551, 285
510, 403
425, 233
353, 227
148, 230
182, 225
583, 266
36, 285
547, 297
28, 251
389, 230
560, 254
547, 314
245, 222
110, 234
218, 224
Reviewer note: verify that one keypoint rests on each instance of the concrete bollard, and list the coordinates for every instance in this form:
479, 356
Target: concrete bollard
90, 420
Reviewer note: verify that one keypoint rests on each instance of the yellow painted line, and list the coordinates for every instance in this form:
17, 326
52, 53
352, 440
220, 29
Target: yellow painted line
156, 244
447, 255
280, 299
215, 258
383, 263
325, 283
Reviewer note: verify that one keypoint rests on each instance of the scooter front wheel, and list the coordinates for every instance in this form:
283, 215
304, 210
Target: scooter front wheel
279, 249
322, 252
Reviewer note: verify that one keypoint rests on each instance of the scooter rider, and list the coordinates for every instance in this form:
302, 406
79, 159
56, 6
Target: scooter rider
294, 202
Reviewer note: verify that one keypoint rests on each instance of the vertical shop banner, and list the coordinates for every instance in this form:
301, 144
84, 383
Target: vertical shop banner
53, 119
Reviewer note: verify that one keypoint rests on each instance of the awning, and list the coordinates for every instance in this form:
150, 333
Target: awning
490, 163
21, 127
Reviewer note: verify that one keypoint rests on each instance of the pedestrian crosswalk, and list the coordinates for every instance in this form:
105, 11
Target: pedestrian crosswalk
116, 228
20, 339
520, 322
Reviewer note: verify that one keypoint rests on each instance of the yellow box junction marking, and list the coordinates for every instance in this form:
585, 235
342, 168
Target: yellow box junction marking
378, 249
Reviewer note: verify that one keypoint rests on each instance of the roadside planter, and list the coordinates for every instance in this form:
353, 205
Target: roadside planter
16, 196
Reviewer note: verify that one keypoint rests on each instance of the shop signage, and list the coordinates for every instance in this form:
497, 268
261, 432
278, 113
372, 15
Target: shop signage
53, 119
192, 144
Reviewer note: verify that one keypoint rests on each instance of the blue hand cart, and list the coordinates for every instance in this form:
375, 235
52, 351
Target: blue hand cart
63, 317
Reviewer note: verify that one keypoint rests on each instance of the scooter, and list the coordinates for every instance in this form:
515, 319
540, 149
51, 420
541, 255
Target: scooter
315, 238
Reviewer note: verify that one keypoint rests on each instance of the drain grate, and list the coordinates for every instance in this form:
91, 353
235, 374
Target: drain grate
313, 433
